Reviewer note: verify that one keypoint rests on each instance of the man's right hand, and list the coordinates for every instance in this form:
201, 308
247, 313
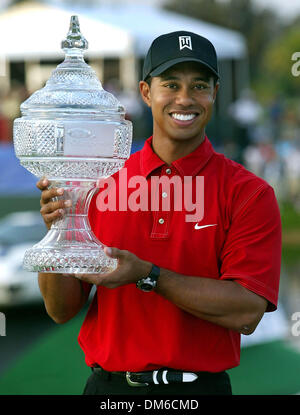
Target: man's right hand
51, 209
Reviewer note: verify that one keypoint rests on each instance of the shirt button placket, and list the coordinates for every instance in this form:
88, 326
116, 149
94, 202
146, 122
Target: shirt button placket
160, 225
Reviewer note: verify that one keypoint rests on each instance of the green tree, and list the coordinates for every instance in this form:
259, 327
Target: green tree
276, 69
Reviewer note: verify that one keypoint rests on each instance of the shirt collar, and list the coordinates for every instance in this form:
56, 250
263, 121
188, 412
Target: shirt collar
188, 165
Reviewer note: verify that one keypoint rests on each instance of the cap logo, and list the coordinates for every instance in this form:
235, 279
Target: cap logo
185, 42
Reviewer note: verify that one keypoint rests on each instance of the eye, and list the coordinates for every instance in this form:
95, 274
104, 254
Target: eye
201, 86
171, 85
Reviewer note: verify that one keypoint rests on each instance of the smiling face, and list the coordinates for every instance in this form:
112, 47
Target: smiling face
181, 100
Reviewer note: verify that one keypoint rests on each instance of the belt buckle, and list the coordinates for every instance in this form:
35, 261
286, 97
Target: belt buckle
133, 383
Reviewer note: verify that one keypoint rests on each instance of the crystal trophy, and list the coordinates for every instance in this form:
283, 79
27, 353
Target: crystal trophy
74, 133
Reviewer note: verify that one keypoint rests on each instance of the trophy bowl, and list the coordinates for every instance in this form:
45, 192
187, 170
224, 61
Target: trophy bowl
74, 133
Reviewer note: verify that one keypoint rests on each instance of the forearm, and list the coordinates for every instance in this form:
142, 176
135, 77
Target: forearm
63, 295
221, 302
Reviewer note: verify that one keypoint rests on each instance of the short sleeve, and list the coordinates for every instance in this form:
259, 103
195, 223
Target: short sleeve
251, 254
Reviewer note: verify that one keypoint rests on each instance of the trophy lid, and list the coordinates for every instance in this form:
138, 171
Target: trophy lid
73, 86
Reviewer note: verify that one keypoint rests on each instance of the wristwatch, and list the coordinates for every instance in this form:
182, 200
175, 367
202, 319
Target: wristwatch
149, 282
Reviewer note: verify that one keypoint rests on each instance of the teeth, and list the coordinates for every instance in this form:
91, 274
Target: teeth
183, 117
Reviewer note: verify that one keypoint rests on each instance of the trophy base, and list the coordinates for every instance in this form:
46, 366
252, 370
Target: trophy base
41, 259
70, 246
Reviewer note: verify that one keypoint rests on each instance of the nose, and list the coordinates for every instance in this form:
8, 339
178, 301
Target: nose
184, 97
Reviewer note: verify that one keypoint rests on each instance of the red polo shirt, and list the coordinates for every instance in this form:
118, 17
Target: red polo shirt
127, 329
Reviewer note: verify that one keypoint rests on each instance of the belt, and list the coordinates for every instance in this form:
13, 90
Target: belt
160, 376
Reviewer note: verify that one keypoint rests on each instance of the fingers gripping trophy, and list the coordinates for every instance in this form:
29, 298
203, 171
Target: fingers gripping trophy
74, 133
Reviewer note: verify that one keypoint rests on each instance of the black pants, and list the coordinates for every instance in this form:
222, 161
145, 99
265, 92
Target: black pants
104, 383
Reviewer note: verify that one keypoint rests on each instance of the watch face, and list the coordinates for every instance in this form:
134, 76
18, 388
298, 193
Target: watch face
146, 286
149, 283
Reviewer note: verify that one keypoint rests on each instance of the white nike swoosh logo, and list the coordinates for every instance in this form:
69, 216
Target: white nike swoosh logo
204, 226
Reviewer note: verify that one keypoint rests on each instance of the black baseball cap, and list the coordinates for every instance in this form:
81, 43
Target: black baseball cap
182, 46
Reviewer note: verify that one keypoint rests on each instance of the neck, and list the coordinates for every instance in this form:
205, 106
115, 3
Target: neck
170, 150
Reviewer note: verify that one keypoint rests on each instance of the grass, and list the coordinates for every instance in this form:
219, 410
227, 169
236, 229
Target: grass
291, 234
290, 255
290, 218
267, 369
18, 204
54, 364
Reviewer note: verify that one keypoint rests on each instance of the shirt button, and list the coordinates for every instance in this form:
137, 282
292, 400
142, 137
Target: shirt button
164, 194
168, 171
161, 221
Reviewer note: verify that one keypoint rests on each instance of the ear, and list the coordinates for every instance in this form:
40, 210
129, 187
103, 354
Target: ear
215, 91
145, 92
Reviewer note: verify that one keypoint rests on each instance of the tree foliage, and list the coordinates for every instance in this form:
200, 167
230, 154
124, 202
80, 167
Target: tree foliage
276, 68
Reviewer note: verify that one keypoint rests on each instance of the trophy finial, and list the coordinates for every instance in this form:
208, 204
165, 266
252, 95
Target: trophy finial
74, 39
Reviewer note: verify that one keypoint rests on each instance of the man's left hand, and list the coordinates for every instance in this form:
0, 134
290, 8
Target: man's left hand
129, 270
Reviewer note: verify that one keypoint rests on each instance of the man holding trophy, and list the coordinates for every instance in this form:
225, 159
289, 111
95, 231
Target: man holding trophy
167, 318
